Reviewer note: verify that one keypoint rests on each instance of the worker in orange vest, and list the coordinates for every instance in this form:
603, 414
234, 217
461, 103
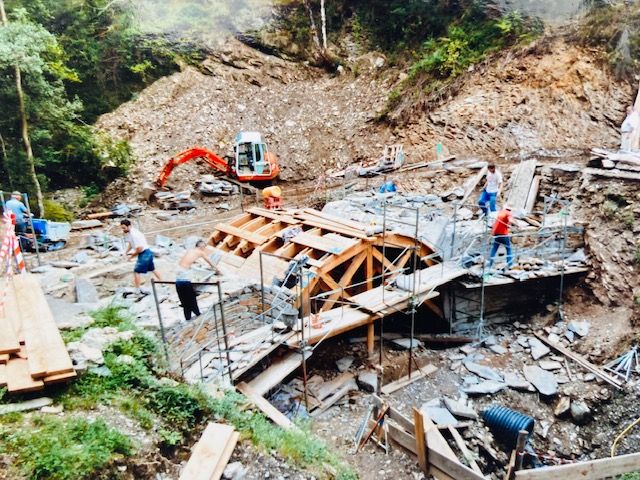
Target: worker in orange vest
502, 236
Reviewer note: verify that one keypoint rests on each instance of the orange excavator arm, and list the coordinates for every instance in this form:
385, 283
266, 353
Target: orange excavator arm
213, 160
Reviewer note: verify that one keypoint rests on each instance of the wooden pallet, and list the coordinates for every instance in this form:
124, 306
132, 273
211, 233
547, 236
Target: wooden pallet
32, 352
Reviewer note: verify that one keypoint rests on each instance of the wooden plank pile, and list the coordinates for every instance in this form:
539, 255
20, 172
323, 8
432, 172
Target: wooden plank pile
32, 352
211, 454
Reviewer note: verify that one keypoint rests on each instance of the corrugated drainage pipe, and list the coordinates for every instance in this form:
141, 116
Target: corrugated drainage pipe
505, 424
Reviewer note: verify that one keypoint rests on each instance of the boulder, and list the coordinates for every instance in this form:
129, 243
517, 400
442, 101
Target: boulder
85, 291
459, 409
484, 388
483, 371
368, 381
517, 382
538, 349
580, 411
544, 381
344, 363
405, 343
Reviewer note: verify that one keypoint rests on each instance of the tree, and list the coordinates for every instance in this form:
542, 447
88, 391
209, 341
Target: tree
20, 56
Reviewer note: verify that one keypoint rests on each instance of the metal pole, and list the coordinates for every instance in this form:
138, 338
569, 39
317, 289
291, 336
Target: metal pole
262, 286
564, 214
162, 334
413, 293
224, 332
484, 263
455, 223
302, 342
35, 239
241, 199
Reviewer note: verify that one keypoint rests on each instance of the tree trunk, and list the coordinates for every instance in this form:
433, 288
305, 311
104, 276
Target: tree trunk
323, 16
314, 29
5, 162
24, 125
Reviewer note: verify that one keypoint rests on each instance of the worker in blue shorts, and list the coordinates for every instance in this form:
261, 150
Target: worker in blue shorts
138, 248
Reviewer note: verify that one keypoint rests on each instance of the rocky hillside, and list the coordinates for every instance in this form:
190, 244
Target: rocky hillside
550, 97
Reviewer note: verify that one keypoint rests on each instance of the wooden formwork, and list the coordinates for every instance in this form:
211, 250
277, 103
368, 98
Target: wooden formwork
344, 258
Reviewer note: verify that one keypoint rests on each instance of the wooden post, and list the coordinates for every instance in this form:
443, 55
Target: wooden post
371, 335
522, 440
421, 441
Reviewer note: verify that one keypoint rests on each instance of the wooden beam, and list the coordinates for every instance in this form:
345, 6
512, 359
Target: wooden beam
263, 404
584, 363
434, 308
371, 336
242, 234
224, 458
383, 260
345, 280
421, 445
465, 451
369, 268
452, 468
389, 388
593, 470
209, 451
278, 371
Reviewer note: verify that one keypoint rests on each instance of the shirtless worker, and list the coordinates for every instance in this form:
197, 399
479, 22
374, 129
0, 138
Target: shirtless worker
190, 258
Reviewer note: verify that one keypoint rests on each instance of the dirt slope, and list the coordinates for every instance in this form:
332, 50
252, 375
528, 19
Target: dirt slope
551, 97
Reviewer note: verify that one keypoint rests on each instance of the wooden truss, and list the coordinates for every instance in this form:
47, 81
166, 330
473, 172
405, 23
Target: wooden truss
345, 259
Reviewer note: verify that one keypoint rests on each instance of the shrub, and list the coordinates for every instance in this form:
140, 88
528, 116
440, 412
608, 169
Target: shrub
56, 212
67, 449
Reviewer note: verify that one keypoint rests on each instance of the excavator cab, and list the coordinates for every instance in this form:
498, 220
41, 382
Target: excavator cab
253, 161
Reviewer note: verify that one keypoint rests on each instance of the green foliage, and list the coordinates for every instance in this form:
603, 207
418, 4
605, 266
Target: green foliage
66, 449
298, 446
56, 212
615, 27
630, 476
112, 316
609, 209
468, 42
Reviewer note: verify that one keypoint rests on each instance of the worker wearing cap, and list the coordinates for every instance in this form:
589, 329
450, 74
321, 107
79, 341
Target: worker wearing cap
502, 236
19, 211
491, 190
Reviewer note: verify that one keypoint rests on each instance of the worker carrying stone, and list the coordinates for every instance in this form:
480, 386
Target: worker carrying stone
491, 191
185, 265
138, 248
19, 212
501, 236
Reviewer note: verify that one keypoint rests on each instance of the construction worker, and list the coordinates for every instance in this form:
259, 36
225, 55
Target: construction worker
629, 128
389, 186
19, 211
139, 248
491, 190
185, 271
501, 236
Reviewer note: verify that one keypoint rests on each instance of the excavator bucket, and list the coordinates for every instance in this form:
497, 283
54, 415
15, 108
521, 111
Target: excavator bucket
149, 189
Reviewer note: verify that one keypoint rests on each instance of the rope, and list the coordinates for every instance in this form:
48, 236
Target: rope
621, 435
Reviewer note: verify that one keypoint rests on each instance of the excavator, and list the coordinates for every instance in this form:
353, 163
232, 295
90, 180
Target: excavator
252, 162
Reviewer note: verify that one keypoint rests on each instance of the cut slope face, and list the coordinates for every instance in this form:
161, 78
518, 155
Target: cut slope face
311, 120
551, 97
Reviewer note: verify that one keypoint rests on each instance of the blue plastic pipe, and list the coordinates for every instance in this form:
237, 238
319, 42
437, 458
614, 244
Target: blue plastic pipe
505, 424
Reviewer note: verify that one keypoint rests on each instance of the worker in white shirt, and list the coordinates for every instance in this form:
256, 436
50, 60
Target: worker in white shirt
138, 248
491, 190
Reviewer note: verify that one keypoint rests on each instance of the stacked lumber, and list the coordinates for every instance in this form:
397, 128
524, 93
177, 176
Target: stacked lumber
32, 352
175, 200
211, 454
